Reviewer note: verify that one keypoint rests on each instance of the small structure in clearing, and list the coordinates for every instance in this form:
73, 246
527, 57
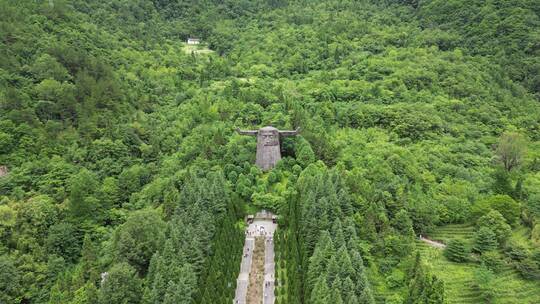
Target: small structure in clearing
192, 40
3, 171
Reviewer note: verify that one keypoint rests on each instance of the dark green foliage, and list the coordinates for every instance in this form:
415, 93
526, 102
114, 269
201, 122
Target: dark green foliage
222, 269
501, 182
484, 240
10, 281
528, 269
82, 202
457, 251
121, 286
507, 34
326, 247
138, 238
63, 240
515, 252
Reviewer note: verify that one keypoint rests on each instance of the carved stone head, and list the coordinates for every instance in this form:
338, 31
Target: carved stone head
268, 149
268, 136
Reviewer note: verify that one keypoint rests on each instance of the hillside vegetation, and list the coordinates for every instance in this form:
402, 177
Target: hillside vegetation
128, 184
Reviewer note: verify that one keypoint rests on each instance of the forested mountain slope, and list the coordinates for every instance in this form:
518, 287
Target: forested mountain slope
127, 183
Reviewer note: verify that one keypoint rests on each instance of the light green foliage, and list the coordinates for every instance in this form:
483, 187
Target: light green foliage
504, 204
8, 218
267, 201
511, 149
484, 281
496, 223
492, 260
304, 153
47, 66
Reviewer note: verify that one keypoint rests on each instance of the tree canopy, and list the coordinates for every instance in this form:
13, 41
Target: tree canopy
125, 181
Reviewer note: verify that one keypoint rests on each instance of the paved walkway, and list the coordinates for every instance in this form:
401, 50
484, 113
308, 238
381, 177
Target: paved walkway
269, 271
245, 268
264, 228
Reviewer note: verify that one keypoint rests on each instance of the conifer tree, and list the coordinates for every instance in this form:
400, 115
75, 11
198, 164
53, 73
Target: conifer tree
457, 251
121, 286
320, 293
485, 240
335, 293
423, 286
346, 269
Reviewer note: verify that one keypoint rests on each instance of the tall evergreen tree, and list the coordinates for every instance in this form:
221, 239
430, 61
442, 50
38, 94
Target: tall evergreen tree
457, 251
485, 240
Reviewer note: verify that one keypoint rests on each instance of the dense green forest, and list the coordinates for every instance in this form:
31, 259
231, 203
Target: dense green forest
126, 182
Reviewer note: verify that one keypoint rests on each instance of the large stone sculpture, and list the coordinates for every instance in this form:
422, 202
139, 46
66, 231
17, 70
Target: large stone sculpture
268, 149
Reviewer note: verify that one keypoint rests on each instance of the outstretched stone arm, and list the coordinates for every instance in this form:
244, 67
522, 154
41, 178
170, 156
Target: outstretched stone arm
247, 132
290, 133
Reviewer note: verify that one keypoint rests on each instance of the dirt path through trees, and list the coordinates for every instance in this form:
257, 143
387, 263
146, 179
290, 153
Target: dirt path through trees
433, 243
256, 277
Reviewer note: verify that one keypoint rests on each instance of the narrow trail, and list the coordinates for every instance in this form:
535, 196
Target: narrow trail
433, 243
255, 283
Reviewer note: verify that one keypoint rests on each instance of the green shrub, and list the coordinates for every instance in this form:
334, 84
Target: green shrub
457, 251
504, 204
528, 269
515, 252
496, 222
492, 260
484, 240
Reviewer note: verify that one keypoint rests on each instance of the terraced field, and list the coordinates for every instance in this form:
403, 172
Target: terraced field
382, 297
458, 277
514, 290
448, 232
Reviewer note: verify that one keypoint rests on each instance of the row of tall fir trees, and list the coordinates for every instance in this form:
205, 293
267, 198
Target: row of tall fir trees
128, 184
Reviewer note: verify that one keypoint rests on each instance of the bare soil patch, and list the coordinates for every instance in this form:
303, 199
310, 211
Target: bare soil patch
256, 276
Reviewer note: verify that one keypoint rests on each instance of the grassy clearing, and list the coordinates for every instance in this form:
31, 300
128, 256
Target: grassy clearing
522, 236
197, 49
459, 277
